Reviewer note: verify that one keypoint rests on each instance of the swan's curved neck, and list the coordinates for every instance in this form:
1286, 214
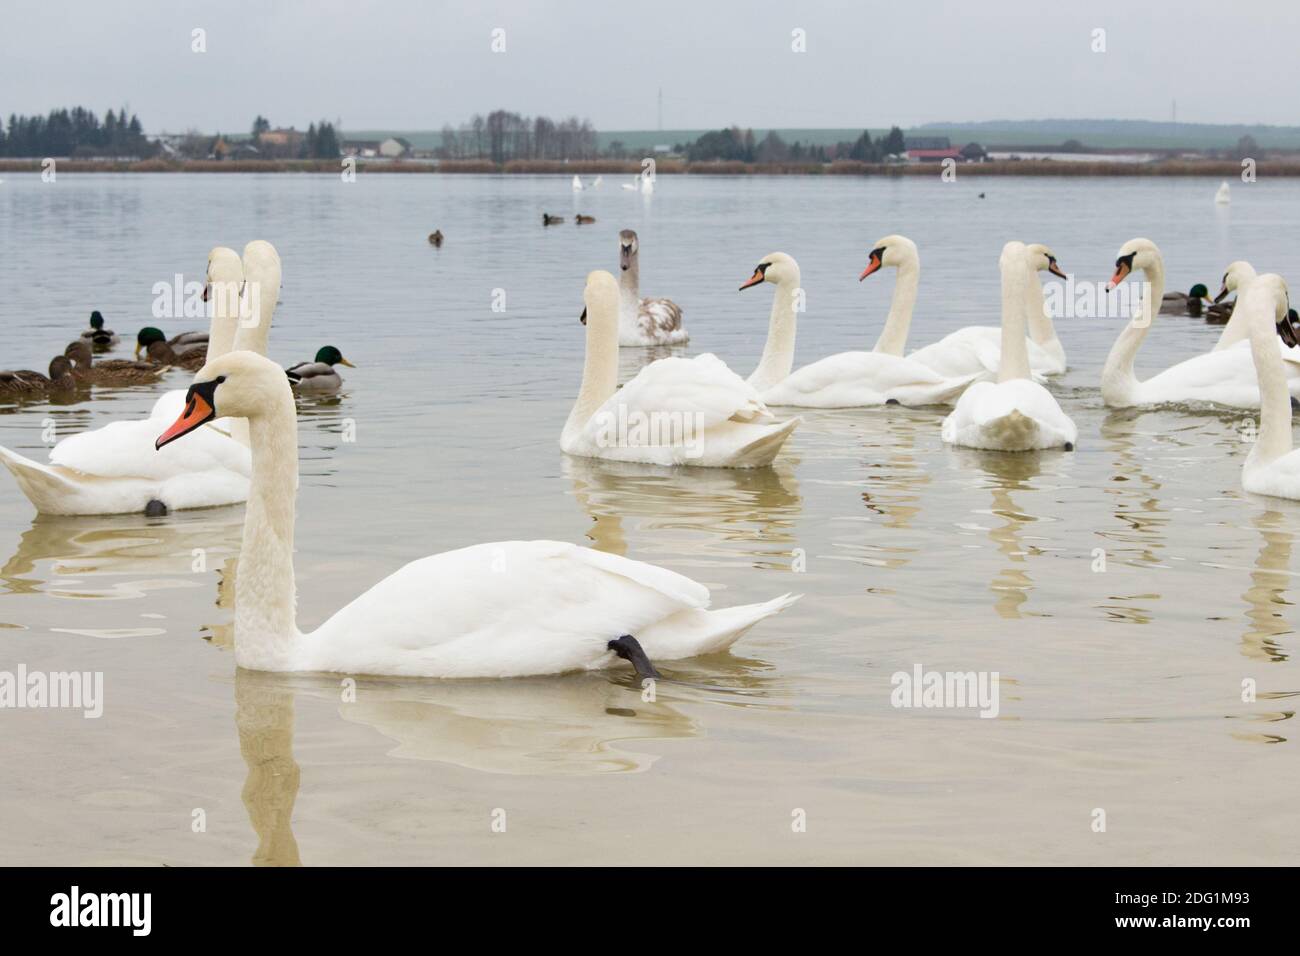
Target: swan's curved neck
1118, 383
266, 629
1041, 329
599, 372
260, 298
225, 321
778, 352
893, 337
1274, 439
1237, 328
629, 292
1014, 362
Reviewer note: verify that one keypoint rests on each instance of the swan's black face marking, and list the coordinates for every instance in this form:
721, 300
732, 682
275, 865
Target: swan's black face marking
760, 271
875, 260
627, 246
1223, 289
1054, 269
1286, 330
583, 318
1123, 266
200, 407
629, 648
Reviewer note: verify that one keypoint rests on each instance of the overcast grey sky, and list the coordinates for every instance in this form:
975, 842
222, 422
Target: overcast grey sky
405, 64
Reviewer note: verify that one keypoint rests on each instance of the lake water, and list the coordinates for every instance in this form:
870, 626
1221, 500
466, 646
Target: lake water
1121, 690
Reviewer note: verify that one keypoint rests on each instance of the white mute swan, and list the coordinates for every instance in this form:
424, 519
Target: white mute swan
973, 350
1222, 377
506, 609
643, 321
675, 411
1273, 466
1015, 413
1236, 278
846, 380
114, 470
1224, 195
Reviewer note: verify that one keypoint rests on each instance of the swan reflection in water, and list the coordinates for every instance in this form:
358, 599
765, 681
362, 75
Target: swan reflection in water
1010, 472
121, 557
575, 725
734, 509
1266, 601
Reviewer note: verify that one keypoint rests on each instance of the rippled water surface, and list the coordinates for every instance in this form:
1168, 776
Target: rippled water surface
1121, 689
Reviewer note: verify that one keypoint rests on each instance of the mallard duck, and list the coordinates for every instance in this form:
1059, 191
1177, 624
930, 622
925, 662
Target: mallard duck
435, 238
187, 342
99, 337
161, 352
318, 375
26, 382
549, 220
1192, 302
112, 372
1218, 313
582, 220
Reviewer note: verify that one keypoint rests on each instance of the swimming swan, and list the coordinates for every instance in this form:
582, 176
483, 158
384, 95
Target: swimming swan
506, 609
845, 380
1225, 376
675, 411
1272, 466
114, 469
974, 349
1014, 413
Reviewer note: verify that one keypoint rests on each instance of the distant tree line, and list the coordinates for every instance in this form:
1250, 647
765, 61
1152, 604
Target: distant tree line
75, 132
735, 145
502, 136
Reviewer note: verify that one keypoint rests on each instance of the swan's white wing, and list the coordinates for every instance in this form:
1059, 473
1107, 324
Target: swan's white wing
977, 349
1279, 478
1018, 415
852, 379
126, 449
500, 610
703, 385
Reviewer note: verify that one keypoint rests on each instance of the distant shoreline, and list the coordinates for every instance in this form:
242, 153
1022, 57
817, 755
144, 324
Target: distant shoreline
1226, 169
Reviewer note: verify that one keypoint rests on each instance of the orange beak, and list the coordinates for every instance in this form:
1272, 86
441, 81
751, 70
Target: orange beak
197, 411
1121, 273
1055, 270
872, 266
755, 279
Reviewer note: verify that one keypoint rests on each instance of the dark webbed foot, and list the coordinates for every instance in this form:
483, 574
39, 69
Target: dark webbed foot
629, 648
155, 509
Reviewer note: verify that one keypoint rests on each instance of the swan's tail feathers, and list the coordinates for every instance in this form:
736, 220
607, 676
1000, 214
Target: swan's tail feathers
694, 631
960, 385
44, 485
762, 450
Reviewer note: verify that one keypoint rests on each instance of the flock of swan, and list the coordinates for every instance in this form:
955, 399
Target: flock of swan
519, 608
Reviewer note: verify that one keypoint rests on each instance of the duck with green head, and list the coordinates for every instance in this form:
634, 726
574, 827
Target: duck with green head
1192, 302
100, 338
318, 375
111, 372
161, 352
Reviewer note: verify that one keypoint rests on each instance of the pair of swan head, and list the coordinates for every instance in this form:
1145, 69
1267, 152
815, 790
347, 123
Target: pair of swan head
896, 251
776, 268
225, 273
1238, 273
235, 385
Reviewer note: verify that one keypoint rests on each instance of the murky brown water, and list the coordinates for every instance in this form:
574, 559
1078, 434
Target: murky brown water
1121, 689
